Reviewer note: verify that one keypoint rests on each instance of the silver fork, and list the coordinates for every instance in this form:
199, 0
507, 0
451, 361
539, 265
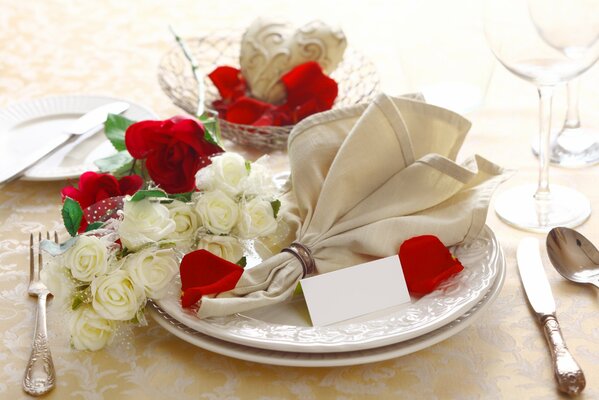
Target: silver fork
40, 376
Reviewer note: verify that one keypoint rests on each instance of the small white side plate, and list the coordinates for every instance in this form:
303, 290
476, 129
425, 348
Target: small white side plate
23, 125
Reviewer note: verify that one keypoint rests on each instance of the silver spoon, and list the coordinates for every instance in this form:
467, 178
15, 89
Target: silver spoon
573, 256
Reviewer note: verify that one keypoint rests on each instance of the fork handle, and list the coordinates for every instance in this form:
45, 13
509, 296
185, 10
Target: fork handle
40, 376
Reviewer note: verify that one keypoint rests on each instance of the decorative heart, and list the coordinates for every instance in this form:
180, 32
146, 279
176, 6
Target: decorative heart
269, 49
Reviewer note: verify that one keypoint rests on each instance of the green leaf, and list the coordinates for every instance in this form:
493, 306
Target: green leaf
81, 296
184, 197
115, 127
248, 166
211, 129
243, 262
115, 162
144, 194
71, 215
298, 290
94, 226
77, 302
276, 206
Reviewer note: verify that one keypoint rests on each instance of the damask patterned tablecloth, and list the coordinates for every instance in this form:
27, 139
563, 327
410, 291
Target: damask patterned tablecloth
113, 48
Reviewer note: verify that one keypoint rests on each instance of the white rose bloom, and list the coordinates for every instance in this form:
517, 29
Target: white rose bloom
116, 296
260, 181
152, 270
56, 278
89, 331
226, 247
256, 219
218, 212
186, 220
229, 172
144, 222
87, 259
205, 178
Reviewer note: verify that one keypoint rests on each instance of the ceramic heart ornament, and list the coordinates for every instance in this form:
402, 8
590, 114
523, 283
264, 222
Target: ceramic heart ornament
269, 49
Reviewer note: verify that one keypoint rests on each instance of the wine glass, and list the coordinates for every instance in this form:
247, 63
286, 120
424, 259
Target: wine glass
574, 145
518, 45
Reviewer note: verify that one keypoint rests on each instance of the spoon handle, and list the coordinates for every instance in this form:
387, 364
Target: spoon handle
570, 378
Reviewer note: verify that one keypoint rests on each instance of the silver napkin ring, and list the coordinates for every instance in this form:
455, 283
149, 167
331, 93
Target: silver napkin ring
304, 255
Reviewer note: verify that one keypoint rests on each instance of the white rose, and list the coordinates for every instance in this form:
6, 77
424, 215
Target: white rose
89, 331
116, 296
144, 222
152, 270
87, 259
218, 212
226, 247
56, 278
256, 219
186, 220
228, 173
260, 181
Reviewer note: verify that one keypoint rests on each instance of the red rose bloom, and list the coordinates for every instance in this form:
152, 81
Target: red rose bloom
94, 187
174, 150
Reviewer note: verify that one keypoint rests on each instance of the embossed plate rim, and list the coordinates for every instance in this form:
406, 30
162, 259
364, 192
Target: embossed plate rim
428, 313
338, 359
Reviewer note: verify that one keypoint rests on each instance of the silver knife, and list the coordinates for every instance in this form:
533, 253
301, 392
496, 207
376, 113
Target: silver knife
570, 378
87, 125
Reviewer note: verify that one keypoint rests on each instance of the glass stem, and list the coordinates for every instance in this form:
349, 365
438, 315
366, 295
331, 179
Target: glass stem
545, 99
572, 115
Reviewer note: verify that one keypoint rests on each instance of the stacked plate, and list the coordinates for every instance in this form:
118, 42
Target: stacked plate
282, 334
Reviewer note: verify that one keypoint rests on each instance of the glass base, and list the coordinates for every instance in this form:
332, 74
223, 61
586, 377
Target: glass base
574, 148
564, 207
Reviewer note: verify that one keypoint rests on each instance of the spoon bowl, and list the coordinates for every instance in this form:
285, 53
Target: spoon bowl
573, 256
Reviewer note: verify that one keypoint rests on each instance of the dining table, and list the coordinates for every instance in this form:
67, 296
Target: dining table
113, 48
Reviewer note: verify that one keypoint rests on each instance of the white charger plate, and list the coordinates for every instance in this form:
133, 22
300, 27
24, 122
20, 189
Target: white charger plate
346, 358
286, 326
26, 124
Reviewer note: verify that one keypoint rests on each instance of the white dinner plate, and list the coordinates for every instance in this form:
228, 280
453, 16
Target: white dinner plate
24, 124
317, 359
286, 326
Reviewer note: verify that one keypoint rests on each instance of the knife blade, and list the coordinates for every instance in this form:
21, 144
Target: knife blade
568, 373
85, 126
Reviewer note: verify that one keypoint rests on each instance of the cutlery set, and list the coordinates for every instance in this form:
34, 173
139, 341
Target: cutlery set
577, 260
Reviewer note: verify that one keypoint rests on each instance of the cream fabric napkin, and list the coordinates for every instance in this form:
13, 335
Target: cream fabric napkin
364, 179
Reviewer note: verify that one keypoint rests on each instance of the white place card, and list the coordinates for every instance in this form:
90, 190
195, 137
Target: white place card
354, 291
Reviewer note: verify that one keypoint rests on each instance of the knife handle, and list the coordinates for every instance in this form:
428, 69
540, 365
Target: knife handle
570, 378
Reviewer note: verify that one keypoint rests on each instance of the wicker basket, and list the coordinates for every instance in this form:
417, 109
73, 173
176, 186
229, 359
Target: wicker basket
355, 75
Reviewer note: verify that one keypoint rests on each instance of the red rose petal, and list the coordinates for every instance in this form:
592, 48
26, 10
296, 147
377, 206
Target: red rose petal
130, 184
305, 84
247, 111
229, 82
426, 263
204, 273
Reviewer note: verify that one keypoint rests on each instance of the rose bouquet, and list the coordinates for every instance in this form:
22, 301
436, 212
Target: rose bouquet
171, 189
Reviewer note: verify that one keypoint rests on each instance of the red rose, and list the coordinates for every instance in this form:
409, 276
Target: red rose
174, 150
308, 90
94, 187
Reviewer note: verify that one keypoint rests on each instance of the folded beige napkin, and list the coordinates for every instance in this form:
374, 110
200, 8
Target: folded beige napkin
364, 179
